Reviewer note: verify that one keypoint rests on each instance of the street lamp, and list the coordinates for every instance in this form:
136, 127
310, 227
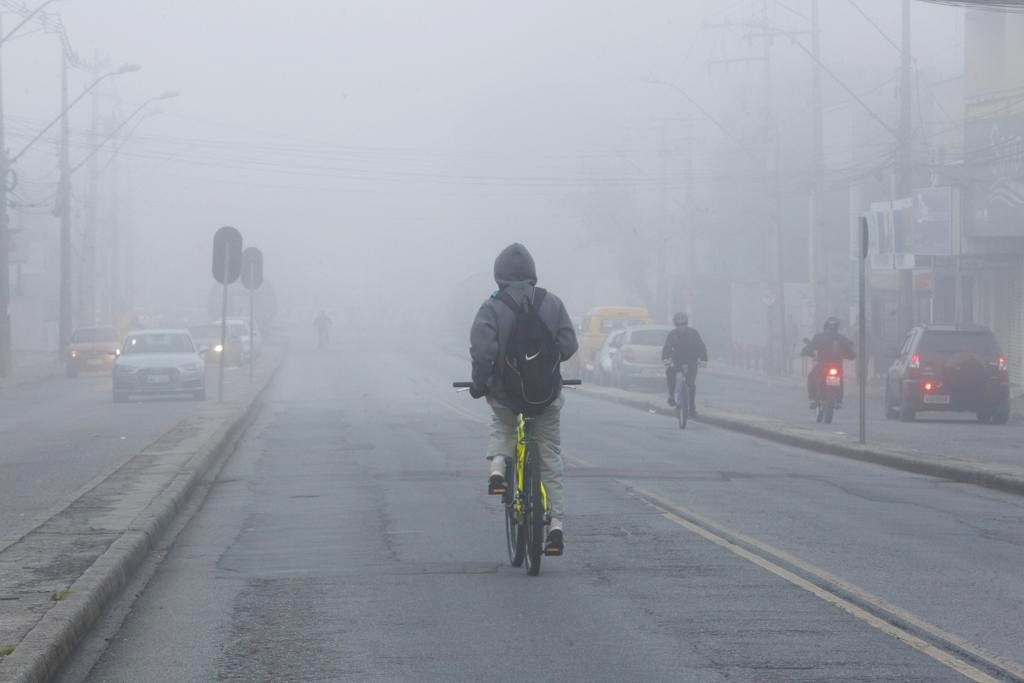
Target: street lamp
87, 287
169, 94
125, 69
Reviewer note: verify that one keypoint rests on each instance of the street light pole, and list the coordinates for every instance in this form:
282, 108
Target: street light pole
64, 194
63, 206
5, 248
87, 289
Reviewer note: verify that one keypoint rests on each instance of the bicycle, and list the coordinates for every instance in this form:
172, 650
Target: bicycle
525, 499
682, 396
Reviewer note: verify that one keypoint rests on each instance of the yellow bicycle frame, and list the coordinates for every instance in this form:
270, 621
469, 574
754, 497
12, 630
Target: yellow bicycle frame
521, 469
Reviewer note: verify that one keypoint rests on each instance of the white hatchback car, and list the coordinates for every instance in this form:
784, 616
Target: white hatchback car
159, 362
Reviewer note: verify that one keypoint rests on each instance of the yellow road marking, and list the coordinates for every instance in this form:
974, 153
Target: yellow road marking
702, 527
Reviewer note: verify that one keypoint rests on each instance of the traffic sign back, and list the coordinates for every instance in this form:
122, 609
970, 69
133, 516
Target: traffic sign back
227, 255
252, 268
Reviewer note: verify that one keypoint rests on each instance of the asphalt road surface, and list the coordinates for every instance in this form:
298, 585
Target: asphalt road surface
350, 537
60, 436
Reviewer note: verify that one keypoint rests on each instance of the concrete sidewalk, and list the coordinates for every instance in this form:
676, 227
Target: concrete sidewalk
32, 366
58, 579
719, 369
967, 468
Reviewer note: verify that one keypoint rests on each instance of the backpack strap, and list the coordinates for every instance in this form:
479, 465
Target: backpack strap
506, 298
538, 298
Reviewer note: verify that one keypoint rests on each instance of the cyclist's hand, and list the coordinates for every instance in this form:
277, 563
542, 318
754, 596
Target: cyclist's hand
478, 391
667, 362
702, 364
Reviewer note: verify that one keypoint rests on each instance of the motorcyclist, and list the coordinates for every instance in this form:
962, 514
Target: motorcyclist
828, 346
683, 346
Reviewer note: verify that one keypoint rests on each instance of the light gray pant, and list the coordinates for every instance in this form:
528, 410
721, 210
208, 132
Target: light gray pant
546, 430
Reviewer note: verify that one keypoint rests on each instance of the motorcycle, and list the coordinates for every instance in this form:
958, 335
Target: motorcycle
830, 391
828, 387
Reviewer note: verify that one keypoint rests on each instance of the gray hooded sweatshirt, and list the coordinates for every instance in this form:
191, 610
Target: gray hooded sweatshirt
516, 274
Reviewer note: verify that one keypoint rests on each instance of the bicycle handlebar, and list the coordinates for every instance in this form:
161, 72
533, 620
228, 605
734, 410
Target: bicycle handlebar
565, 383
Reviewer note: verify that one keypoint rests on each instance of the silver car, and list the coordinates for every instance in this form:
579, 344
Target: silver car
163, 362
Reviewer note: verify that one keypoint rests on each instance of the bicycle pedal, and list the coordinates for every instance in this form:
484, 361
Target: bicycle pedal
553, 551
497, 485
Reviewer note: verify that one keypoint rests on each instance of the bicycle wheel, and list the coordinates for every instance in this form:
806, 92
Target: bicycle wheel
535, 513
684, 405
515, 539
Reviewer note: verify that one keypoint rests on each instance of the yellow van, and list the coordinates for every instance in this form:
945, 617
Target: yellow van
599, 322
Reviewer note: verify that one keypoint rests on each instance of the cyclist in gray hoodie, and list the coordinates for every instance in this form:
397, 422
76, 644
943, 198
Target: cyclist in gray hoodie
516, 275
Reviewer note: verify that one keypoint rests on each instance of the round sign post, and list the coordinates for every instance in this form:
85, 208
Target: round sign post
227, 266
252, 278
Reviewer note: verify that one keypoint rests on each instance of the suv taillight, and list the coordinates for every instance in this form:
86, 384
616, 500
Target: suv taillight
915, 362
1002, 364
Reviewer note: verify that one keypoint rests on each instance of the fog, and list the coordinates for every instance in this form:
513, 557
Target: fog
381, 154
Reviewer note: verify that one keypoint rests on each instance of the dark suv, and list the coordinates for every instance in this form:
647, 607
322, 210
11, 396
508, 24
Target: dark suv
949, 367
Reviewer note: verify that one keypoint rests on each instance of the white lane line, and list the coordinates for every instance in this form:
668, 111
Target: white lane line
703, 527
707, 529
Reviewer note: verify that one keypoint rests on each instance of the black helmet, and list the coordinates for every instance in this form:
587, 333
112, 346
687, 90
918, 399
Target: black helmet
681, 319
832, 324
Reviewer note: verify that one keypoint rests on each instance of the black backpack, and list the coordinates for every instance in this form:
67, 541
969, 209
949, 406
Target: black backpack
530, 371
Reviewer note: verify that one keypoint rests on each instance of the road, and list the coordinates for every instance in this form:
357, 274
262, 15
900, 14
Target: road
59, 436
954, 435
350, 537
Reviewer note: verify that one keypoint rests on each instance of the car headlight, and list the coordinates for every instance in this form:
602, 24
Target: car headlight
191, 367
74, 354
219, 348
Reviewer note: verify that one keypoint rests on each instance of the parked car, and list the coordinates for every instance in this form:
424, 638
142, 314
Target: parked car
949, 368
91, 348
598, 324
159, 362
603, 364
636, 355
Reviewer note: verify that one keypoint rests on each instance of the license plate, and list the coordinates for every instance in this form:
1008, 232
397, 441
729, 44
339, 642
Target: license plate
158, 379
939, 399
832, 381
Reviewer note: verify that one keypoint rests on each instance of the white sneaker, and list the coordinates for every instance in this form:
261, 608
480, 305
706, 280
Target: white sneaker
496, 484
498, 465
555, 543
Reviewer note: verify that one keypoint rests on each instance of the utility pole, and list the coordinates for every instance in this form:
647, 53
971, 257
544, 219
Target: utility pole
904, 184
663, 291
87, 271
818, 253
5, 240
114, 264
64, 207
771, 165
691, 220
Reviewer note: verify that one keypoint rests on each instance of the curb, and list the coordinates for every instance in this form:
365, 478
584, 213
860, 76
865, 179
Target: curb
990, 478
49, 644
